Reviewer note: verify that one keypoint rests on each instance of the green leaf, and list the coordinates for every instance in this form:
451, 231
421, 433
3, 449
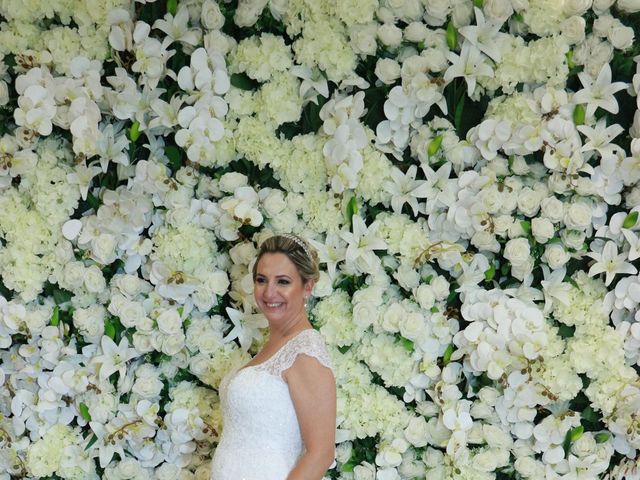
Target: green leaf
579, 114
172, 6
452, 36
434, 145
446, 358
590, 415
352, 208
110, 329
93, 440
428, 280
174, 154
602, 437
490, 273
347, 467
434, 309
526, 226
243, 82
570, 63
572, 436
478, 3
566, 331
407, 344
55, 317
630, 220
84, 412
576, 433
134, 131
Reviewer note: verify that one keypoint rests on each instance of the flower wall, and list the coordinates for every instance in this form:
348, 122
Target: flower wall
467, 170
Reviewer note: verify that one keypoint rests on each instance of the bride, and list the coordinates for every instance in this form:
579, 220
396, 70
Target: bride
279, 410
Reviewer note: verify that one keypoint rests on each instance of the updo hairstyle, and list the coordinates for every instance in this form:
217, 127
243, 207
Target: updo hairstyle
303, 256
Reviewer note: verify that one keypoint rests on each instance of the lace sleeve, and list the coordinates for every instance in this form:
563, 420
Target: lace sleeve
309, 342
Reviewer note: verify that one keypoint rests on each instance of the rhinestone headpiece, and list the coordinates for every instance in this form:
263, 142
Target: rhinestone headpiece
299, 242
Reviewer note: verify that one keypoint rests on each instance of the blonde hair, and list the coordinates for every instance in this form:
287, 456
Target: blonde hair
301, 254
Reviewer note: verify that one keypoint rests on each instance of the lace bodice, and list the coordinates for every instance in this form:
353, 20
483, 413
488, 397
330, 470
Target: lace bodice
261, 437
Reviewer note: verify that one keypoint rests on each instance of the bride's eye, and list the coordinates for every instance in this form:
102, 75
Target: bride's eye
284, 281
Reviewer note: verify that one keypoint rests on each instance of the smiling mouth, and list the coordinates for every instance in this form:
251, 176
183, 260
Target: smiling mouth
273, 305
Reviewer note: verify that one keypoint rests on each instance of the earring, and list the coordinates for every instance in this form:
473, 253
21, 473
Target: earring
306, 302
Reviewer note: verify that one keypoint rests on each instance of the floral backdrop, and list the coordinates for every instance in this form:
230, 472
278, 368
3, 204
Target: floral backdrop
467, 170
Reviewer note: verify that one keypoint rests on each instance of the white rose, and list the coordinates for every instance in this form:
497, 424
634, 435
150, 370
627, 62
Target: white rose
103, 248
94, 280
603, 24
142, 342
130, 285
436, 61
363, 38
485, 241
147, 383
90, 321
129, 468
216, 41
437, 12
364, 314
517, 251
528, 467
440, 287
392, 316
573, 238
555, 255
387, 70
552, 208
576, 7
462, 13
248, 11
497, 10
324, 286
172, 344
390, 35
621, 37
407, 276
628, 6
542, 229
4, 93
601, 6
416, 432
167, 471
169, 322
74, 274
573, 29
528, 201
584, 446
274, 203
416, 32
211, 17
413, 65
425, 296
343, 452
231, 181
364, 471
578, 215
485, 461
412, 326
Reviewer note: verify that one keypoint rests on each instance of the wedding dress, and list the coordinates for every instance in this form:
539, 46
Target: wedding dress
261, 437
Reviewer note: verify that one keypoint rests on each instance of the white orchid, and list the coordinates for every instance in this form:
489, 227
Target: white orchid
113, 358
598, 93
246, 327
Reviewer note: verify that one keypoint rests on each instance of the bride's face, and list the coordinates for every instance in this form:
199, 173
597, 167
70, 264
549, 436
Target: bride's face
278, 288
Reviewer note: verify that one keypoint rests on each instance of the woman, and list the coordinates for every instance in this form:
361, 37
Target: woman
279, 410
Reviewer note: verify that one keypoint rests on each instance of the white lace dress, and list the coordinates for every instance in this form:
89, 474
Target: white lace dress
261, 437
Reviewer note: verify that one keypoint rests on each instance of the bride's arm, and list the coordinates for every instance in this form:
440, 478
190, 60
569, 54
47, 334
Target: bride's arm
313, 392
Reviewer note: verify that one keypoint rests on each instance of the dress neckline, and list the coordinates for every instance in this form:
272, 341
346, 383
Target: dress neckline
280, 349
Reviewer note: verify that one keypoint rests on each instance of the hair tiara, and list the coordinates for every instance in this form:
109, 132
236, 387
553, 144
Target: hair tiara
298, 242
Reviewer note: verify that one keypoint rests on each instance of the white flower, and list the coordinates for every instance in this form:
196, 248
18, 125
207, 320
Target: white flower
246, 327
177, 28
610, 262
362, 242
114, 357
598, 93
470, 65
